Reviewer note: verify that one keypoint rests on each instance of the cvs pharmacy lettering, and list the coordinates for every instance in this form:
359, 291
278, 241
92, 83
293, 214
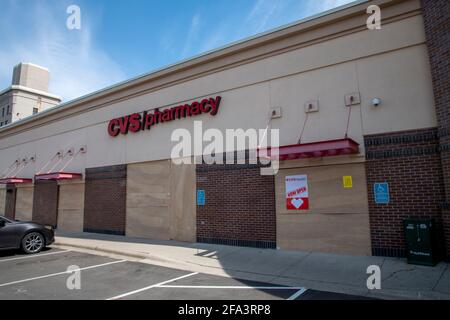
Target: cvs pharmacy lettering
145, 120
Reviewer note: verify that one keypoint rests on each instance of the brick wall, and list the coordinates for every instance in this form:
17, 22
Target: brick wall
10, 201
105, 200
410, 162
45, 202
437, 26
240, 206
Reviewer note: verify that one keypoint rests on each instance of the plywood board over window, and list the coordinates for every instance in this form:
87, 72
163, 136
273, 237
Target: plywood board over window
2, 200
24, 202
71, 206
161, 201
10, 201
183, 202
337, 220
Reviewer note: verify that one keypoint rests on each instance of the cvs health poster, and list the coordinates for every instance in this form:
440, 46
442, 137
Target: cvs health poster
297, 192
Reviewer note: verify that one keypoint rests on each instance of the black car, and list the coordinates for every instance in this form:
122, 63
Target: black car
28, 236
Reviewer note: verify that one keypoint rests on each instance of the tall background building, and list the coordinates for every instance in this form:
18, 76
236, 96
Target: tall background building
27, 95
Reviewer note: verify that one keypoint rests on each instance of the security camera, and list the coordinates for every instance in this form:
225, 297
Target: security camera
376, 102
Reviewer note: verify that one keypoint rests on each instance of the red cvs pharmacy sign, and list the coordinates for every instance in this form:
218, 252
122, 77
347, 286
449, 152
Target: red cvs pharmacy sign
297, 192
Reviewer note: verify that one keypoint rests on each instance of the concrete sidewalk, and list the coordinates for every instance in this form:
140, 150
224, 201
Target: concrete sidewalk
319, 271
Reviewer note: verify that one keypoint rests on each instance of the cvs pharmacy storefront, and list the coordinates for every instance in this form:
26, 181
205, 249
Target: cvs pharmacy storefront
103, 163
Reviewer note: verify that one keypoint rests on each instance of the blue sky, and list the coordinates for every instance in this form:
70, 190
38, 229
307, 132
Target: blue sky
122, 39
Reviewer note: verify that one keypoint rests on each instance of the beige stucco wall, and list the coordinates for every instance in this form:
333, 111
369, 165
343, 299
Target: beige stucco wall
2, 200
160, 201
71, 206
337, 220
24, 202
390, 64
24, 102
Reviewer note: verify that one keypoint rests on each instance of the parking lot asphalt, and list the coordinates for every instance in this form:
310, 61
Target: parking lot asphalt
45, 276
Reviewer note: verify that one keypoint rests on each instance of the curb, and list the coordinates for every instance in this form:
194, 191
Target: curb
116, 252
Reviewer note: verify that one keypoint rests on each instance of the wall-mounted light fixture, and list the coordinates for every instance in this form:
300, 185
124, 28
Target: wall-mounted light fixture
376, 102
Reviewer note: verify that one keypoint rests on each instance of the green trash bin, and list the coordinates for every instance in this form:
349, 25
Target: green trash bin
421, 242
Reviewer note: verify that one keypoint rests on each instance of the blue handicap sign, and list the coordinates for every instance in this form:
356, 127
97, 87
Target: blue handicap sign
201, 197
381, 191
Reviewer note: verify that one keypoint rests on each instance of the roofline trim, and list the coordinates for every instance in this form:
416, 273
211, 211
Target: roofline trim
30, 90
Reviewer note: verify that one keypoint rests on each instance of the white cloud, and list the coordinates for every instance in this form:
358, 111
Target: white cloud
192, 33
262, 12
258, 19
76, 66
266, 15
216, 37
324, 5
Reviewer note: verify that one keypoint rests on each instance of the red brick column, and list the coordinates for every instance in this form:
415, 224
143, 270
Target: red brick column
437, 30
105, 200
45, 202
409, 161
240, 206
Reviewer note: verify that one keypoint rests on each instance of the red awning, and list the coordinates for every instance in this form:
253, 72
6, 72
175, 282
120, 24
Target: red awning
14, 180
314, 149
58, 176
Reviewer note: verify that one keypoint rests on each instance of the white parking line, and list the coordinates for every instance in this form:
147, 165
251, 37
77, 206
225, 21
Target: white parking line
297, 294
151, 287
60, 273
34, 255
233, 287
